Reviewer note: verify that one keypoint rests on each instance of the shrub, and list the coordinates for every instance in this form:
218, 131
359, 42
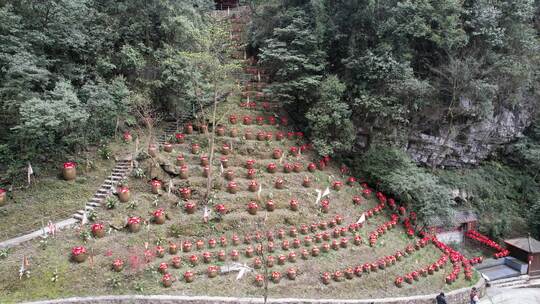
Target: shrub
111, 202
397, 175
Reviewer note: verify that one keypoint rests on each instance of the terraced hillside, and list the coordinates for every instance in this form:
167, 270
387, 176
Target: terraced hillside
262, 214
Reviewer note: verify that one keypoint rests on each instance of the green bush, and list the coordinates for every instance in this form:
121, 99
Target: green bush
394, 173
329, 119
501, 194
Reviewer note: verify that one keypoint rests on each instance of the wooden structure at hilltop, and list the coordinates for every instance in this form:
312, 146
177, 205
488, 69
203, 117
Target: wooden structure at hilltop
527, 250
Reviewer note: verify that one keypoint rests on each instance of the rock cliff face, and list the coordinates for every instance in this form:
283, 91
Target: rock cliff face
464, 143
468, 143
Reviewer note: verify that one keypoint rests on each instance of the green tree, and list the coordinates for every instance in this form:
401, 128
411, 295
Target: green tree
329, 119
211, 70
534, 218
397, 175
58, 118
294, 60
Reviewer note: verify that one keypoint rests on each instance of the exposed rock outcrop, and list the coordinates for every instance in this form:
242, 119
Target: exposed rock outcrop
468, 142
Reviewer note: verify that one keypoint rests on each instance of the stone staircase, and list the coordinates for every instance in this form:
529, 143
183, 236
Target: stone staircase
513, 282
169, 129
523, 281
120, 171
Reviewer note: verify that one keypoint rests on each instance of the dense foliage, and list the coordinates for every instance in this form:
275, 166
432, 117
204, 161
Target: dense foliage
406, 65
73, 72
394, 172
393, 67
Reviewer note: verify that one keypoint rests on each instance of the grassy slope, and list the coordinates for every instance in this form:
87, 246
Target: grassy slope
51, 198
53, 275
96, 278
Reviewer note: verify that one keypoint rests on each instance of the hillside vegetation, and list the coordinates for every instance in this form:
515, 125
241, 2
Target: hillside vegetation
388, 85
75, 72
425, 99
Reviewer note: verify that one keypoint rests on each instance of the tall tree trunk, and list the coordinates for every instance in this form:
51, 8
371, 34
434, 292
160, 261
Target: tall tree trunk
211, 145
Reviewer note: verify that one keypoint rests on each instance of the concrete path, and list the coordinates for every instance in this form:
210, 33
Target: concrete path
30, 236
511, 296
121, 170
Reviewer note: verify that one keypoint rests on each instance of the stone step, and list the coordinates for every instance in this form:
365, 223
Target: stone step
96, 200
509, 284
93, 204
512, 279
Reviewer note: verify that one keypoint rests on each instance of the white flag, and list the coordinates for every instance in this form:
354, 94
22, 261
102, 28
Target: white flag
84, 218
44, 230
30, 172
326, 192
361, 219
206, 214
319, 196
52, 228
259, 76
22, 270
243, 269
259, 192
170, 186
240, 274
281, 158
221, 168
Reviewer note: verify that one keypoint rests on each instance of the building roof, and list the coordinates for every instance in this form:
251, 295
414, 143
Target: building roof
456, 218
523, 244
